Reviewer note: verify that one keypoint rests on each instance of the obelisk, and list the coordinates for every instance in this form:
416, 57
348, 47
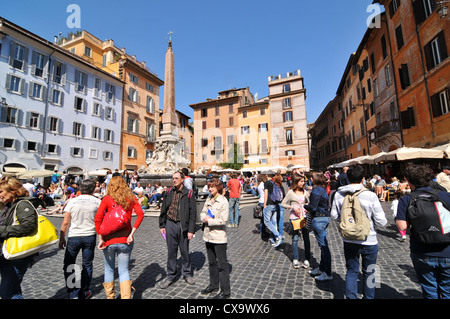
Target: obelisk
169, 116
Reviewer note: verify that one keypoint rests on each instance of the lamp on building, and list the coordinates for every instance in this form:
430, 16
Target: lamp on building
442, 9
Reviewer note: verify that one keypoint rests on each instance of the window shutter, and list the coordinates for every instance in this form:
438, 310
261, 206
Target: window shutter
436, 105
22, 86
25, 59
12, 48
429, 56
8, 82
33, 62
419, 11
442, 45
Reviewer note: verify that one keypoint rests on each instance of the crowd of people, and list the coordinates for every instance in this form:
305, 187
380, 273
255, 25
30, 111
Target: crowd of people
311, 200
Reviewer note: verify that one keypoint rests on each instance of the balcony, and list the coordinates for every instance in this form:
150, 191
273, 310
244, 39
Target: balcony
384, 130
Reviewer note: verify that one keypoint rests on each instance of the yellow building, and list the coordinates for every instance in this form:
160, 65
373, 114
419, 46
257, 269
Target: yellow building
140, 117
254, 136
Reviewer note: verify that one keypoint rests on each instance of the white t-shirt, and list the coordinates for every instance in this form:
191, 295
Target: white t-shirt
82, 210
261, 193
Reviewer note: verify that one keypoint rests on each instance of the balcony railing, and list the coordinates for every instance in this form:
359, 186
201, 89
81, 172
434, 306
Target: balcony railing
384, 129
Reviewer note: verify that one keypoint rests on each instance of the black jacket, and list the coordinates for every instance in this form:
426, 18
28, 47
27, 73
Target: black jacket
26, 216
187, 207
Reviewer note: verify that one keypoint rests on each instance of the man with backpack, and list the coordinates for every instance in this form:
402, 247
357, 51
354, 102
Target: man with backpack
425, 212
358, 209
273, 196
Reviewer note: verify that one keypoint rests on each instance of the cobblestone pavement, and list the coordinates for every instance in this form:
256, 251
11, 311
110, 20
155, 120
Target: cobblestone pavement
258, 271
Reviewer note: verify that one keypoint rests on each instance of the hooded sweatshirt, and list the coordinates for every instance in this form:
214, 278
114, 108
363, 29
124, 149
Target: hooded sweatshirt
370, 204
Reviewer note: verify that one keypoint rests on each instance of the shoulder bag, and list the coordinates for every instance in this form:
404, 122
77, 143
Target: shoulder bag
114, 220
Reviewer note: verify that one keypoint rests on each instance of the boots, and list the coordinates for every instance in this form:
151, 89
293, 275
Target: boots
109, 290
125, 289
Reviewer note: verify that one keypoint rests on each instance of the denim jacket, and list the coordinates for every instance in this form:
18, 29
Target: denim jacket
318, 202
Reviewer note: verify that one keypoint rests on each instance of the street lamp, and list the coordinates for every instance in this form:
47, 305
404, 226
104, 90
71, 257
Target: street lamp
442, 9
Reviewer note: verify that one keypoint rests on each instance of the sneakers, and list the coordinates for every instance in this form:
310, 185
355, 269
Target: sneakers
305, 264
324, 277
315, 272
279, 241
295, 264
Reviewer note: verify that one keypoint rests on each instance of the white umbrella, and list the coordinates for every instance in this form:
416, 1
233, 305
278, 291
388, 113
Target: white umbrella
298, 166
278, 167
36, 173
407, 153
247, 169
227, 170
99, 172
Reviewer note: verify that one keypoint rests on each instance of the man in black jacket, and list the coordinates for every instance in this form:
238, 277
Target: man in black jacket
177, 225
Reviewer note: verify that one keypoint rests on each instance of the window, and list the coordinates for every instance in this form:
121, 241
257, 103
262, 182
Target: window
245, 130
31, 146
132, 152
18, 57
393, 7
96, 109
133, 78
287, 103
217, 123
104, 59
58, 73
51, 148
230, 108
150, 132
387, 71
76, 151
88, 51
218, 143
110, 93
262, 111
286, 88
263, 146
107, 155
244, 114
290, 153
230, 121
435, 51
263, 127
204, 112
109, 135
384, 47
15, 84
399, 37
204, 142
149, 87
9, 115
287, 116
230, 140
38, 64
56, 97
203, 125
423, 9
109, 113
289, 139
404, 76
33, 119
217, 108
150, 107
36, 91
80, 81
80, 104
133, 124
77, 129
97, 88
95, 132
93, 153
407, 118
53, 124
8, 143
440, 103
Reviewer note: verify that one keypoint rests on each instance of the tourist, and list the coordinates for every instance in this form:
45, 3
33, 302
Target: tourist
272, 199
79, 214
138, 189
177, 225
318, 208
366, 249
443, 178
295, 200
234, 187
143, 201
215, 216
120, 243
342, 178
431, 261
14, 196
156, 196
277, 179
261, 179
394, 208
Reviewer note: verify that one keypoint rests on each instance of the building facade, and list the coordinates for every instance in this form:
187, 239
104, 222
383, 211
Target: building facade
58, 111
140, 118
289, 136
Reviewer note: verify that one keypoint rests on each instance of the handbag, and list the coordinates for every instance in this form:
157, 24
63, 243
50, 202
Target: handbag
19, 247
298, 223
114, 220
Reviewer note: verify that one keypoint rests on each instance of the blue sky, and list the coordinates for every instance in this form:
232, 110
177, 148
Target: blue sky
218, 45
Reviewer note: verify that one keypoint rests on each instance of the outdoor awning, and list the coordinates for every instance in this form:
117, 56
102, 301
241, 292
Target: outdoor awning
409, 153
35, 174
445, 148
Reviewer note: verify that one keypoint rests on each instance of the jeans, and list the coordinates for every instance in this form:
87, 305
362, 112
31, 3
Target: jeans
270, 219
123, 252
155, 198
433, 274
87, 246
234, 203
280, 219
12, 273
368, 254
295, 239
320, 225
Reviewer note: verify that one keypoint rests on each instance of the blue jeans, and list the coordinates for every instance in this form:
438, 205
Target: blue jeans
270, 219
280, 218
12, 272
320, 225
368, 254
155, 198
87, 246
295, 239
123, 252
234, 204
433, 274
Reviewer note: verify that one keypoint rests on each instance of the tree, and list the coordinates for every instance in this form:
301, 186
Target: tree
235, 158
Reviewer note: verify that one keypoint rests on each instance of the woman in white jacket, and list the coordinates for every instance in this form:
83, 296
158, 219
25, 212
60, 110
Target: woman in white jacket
215, 215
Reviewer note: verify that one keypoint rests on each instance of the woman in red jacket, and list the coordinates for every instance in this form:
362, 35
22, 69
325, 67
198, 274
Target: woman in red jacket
119, 243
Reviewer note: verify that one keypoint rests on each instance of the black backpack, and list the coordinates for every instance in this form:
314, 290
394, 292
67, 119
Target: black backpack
429, 217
